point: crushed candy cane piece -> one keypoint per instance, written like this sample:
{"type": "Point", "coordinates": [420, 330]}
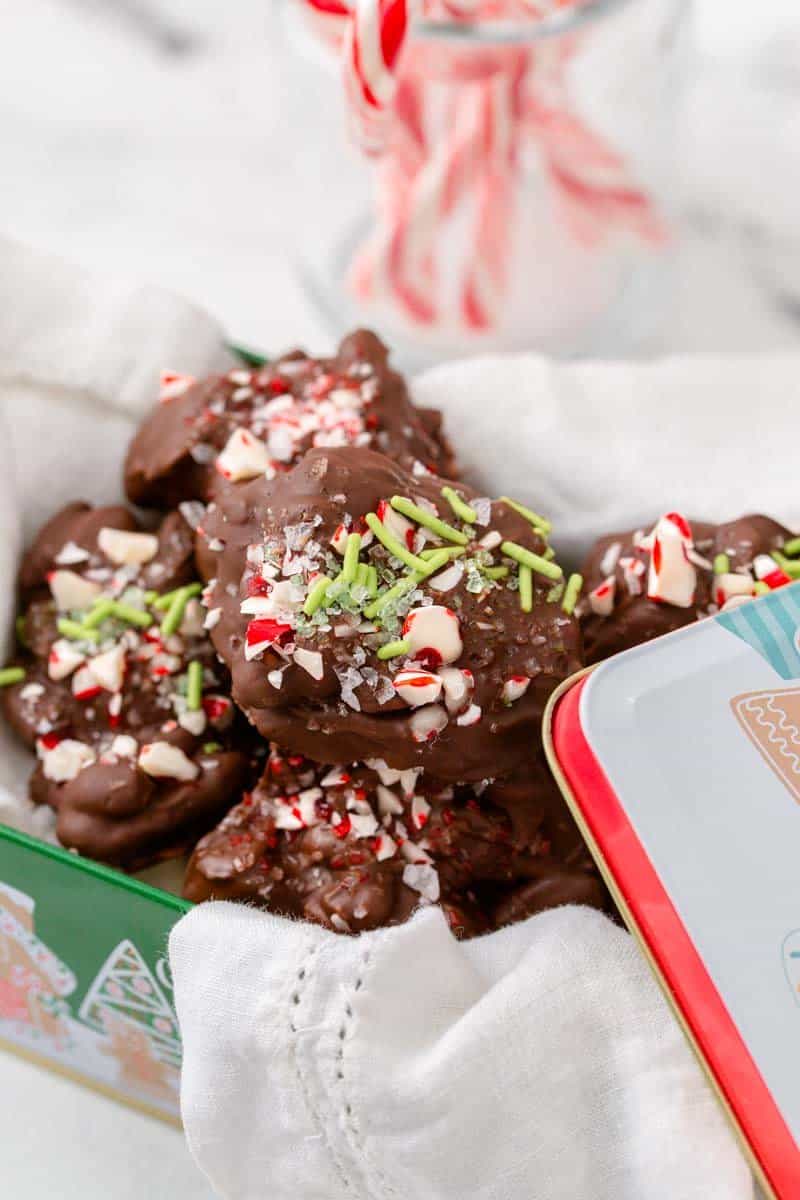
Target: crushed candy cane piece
{"type": "Point", "coordinates": [420, 811]}
{"type": "Point", "coordinates": [71, 591]}
{"type": "Point", "coordinates": [458, 686]}
{"type": "Point", "coordinates": [389, 805]}
{"type": "Point", "coordinates": [172, 384]}
{"type": "Point", "coordinates": [433, 634]}
{"type": "Point", "coordinates": [244, 457]}
{"type": "Point", "coordinates": [213, 617]}
{"type": "Point", "coordinates": [124, 746]}
{"type": "Point", "coordinates": [417, 687]}
{"type": "Point", "coordinates": [427, 723]}
{"type": "Point", "coordinates": [162, 760]}
{"type": "Point", "coordinates": [767, 570]}
{"type": "Point", "coordinates": [731, 584]}
{"type": "Point", "coordinates": [84, 685]}
{"type": "Point", "coordinates": [672, 579]}
{"type": "Point", "coordinates": [193, 720]}
{"type": "Point", "coordinates": [70, 554]}
{"type": "Point", "coordinates": [262, 633]}
{"type": "Point", "coordinates": [63, 659]}
{"type": "Point", "coordinates": [126, 548]}
{"type": "Point", "coordinates": [384, 847]}
{"type": "Point", "coordinates": [65, 760]}
{"type": "Point", "coordinates": [108, 668]}
{"type": "Point", "coordinates": [310, 661]}
{"type": "Point", "coordinates": [515, 687]}
{"type": "Point", "coordinates": [471, 716]}
{"type": "Point", "coordinates": [396, 524]}
{"type": "Point", "coordinates": [601, 598]}
{"type": "Point", "coordinates": [422, 878]}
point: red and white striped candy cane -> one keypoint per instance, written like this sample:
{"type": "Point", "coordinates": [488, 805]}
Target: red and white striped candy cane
{"type": "Point", "coordinates": [374, 40]}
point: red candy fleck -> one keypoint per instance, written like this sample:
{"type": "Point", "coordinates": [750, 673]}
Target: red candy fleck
{"type": "Point", "coordinates": [258, 586]}
{"type": "Point", "coordinates": [429, 657]}
{"type": "Point", "coordinates": [278, 386]}
{"type": "Point", "coordinates": [265, 629]}
{"type": "Point", "coordinates": [343, 828]}
{"type": "Point", "coordinates": [215, 707]}
{"type": "Point", "coordinates": [50, 740]}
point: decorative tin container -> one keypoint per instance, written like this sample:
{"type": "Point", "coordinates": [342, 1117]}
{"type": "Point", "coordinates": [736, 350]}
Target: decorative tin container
{"type": "Point", "coordinates": [680, 760]}
{"type": "Point", "coordinates": [85, 987]}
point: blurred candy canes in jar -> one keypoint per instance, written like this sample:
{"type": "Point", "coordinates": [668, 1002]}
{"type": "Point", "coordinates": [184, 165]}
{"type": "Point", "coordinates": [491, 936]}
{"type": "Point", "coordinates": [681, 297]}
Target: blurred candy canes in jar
{"type": "Point", "coordinates": [458, 103]}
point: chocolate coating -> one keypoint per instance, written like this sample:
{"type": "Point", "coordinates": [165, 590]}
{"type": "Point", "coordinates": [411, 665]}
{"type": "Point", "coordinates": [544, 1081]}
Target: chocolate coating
{"type": "Point", "coordinates": [290, 405]}
{"type": "Point", "coordinates": [352, 710]}
{"type": "Point", "coordinates": [90, 736]}
{"type": "Point", "coordinates": [487, 853]}
{"type": "Point", "coordinates": [635, 618]}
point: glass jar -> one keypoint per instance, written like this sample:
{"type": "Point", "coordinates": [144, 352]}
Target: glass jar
{"type": "Point", "coordinates": [523, 198]}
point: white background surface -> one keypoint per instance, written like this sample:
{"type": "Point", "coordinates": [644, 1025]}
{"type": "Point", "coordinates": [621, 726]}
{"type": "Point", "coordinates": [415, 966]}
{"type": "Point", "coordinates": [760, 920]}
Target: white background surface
{"type": "Point", "coordinates": [153, 137]}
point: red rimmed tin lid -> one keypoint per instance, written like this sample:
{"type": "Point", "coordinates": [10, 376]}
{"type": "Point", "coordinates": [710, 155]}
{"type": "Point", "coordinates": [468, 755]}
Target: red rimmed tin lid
{"type": "Point", "coordinates": [680, 760]}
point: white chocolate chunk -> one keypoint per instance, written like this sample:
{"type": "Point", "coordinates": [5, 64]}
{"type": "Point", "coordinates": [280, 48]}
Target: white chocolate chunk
{"type": "Point", "coordinates": [162, 760]}
{"type": "Point", "coordinates": [126, 548]}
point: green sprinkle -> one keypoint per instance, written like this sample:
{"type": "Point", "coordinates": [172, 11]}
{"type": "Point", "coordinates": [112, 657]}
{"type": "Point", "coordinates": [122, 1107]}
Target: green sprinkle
{"type": "Point", "coordinates": [788, 565]}
{"type": "Point", "coordinates": [75, 631]}
{"type": "Point", "coordinates": [316, 595]}
{"type": "Point", "coordinates": [462, 510]}
{"type": "Point", "coordinates": [362, 575]}
{"type": "Point", "coordinates": [540, 524]}
{"type": "Point", "coordinates": [194, 686]}
{"type": "Point", "coordinates": [394, 649]}
{"type": "Point", "coordinates": [760, 588]}
{"type": "Point", "coordinates": [165, 601]}
{"type": "Point", "coordinates": [555, 593]}
{"type": "Point", "coordinates": [135, 616]}
{"type": "Point", "coordinates": [21, 631]}
{"type": "Point", "coordinates": [435, 563]}
{"type": "Point", "coordinates": [792, 547]}
{"type": "Point", "coordinates": [407, 507]}
{"type": "Point", "coordinates": [722, 564]}
{"type": "Point", "coordinates": [536, 563]}
{"type": "Point", "coordinates": [352, 551]}
{"type": "Point", "coordinates": [573, 590]}
{"type": "Point", "coordinates": [174, 614]}
{"type": "Point", "coordinates": [211, 747]}
{"type": "Point", "coordinates": [11, 675]}
{"type": "Point", "coordinates": [392, 545]}
{"type": "Point", "coordinates": [450, 551]}
{"type": "Point", "coordinates": [372, 581]}
{"type": "Point", "coordinates": [150, 597]}
{"type": "Point", "coordinates": [496, 572]}
{"type": "Point", "coordinates": [406, 584]}
{"type": "Point", "coordinates": [101, 609]}
{"type": "Point", "coordinates": [525, 588]}
{"type": "Point", "coordinates": [548, 553]}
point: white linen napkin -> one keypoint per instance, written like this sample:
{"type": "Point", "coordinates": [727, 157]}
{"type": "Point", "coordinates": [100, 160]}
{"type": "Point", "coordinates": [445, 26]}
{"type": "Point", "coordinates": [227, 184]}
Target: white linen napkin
{"type": "Point", "coordinates": [538, 1063]}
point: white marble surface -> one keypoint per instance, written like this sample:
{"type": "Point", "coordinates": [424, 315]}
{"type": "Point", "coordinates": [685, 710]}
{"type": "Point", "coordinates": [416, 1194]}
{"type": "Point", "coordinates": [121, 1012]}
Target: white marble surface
{"type": "Point", "coordinates": [157, 136]}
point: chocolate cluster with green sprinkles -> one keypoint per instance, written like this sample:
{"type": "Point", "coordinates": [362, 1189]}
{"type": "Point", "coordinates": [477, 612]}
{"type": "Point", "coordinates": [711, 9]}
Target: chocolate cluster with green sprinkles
{"type": "Point", "coordinates": [118, 690]}
{"type": "Point", "coordinates": [369, 611]}
{"type": "Point", "coordinates": [673, 571]}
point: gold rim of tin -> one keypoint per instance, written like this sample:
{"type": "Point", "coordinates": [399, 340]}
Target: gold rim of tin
{"type": "Point", "coordinates": [633, 927]}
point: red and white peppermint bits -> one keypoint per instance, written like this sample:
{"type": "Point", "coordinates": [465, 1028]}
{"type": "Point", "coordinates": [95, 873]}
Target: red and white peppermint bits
{"type": "Point", "coordinates": [767, 571]}
{"type": "Point", "coordinates": [730, 586]}
{"type": "Point", "coordinates": [72, 591]}
{"type": "Point", "coordinates": [601, 598]}
{"type": "Point", "coordinates": [125, 548]}
{"type": "Point", "coordinates": [262, 634]}
{"type": "Point", "coordinates": [417, 687]}
{"type": "Point", "coordinates": [427, 723]}
{"type": "Point", "coordinates": [672, 578]}
{"type": "Point", "coordinates": [515, 688]}
{"type": "Point", "coordinates": [173, 385]}
{"type": "Point", "coordinates": [162, 760]}
{"type": "Point", "coordinates": [434, 635]}
{"type": "Point", "coordinates": [396, 524]}
{"type": "Point", "coordinates": [244, 457]}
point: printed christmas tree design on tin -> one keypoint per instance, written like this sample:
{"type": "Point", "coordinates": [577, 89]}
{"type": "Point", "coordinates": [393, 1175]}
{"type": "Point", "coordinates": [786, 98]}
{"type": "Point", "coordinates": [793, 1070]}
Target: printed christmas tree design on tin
{"type": "Point", "coordinates": [771, 720]}
{"type": "Point", "coordinates": [126, 990]}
